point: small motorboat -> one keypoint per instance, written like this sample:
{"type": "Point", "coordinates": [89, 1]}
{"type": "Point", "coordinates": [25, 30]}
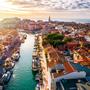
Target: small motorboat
{"type": "Point", "coordinates": [6, 76]}
{"type": "Point", "coordinates": [16, 56]}
{"type": "Point", "coordinates": [34, 68]}
{"type": "Point", "coordinates": [35, 65]}
{"type": "Point", "coordinates": [37, 87]}
{"type": "Point", "coordinates": [37, 78]}
{"type": "Point", "coordinates": [11, 66]}
{"type": "Point", "coordinates": [25, 36]}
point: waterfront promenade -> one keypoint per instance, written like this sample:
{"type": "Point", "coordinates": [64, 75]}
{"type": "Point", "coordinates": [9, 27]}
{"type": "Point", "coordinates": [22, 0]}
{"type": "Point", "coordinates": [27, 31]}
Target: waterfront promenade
{"type": "Point", "coordinates": [45, 72]}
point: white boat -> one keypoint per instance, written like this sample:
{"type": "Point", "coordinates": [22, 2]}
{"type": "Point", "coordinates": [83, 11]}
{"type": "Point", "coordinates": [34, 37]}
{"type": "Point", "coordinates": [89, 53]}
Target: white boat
{"type": "Point", "coordinates": [37, 87]}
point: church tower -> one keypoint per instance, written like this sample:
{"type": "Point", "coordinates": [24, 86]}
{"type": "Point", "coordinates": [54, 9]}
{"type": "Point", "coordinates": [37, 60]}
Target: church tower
{"type": "Point", "coordinates": [49, 19]}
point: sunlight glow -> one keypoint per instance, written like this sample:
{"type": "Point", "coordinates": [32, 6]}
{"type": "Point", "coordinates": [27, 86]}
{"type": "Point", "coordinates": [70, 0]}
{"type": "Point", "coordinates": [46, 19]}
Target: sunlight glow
{"type": "Point", "coordinates": [4, 5]}
{"type": "Point", "coordinates": [44, 8]}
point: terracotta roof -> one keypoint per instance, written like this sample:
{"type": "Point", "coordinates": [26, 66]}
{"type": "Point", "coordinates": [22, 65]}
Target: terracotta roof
{"type": "Point", "coordinates": [68, 67]}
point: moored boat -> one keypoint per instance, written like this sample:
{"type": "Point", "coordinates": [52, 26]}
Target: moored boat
{"type": "Point", "coordinates": [34, 68]}
{"type": "Point", "coordinates": [37, 87]}
{"type": "Point", "coordinates": [24, 36]}
{"type": "Point", "coordinates": [35, 64]}
{"type": "Point", "coordinates": [37, 78]}
{"type": "Point", "coordinates": [16, 56]}
{"type": "Point", "coordinates": [6, 76]}
{"type": "Point", "coordinates": [34, 55]}
{"type": "Point", "coordinates": [11, 66]}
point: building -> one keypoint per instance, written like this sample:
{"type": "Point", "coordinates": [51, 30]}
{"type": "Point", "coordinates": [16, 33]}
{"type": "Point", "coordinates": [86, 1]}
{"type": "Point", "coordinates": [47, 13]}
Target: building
{"type": "Point", "coordinates": [82, 56]}
{"type": "Point", "coordinates": [59, 68]}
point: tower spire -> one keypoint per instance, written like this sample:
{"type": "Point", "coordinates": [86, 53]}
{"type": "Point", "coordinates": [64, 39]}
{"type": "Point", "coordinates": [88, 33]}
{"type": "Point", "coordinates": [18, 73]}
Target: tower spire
{"type": "Point", "coordinates": [49, 19]}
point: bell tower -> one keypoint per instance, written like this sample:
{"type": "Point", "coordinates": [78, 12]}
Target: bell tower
{"type": "Point", "coordinates": [49, 19]}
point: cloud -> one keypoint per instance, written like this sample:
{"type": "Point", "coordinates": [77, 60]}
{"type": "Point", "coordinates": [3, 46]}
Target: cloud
{"type": "Point", "coordinates": [45, 8]}
{"type": "Point", "coordinates": [52, 4]}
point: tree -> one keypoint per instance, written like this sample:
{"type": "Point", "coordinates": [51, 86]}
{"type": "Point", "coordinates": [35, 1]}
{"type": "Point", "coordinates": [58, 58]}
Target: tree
{"type": "Point", "coordinates": [67, 39]}
{"type": "Point", "coordinates": [56, 39]}
{"type": "Point", "coordinates": [55, 36]}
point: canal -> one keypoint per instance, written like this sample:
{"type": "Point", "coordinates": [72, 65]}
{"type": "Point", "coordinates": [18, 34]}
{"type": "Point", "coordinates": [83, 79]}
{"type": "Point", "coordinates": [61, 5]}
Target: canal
{"type": "Point", "coordinates": [22, 78]}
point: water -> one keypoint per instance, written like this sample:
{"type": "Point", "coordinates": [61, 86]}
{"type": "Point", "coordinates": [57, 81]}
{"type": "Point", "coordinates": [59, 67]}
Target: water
{"type": "Point", "coordinates": [72, 20]}
{"type": "Point", "coordinates": [22, 78]}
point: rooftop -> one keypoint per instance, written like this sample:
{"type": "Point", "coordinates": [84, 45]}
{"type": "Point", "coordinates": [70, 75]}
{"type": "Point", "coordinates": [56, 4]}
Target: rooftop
{"type": "Point", "coordinates": [67, 68]}
{"type": "Point", "coordinates": [73, 84]}
{"type": "Point", "coordinates": [58, 64]}
{"type": "Point", "coordinates": [82, 55]}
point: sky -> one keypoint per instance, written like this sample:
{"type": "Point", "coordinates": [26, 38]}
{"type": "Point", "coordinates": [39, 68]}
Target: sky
{"type": "Point", "coordinates": [42, 9]}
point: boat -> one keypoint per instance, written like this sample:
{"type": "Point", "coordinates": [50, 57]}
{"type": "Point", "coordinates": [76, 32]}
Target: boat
{"type": "Point", "coordinates": [37, 78]}
{"type": "Point", "coordinates": [34, 68]}
{"type": "Point", "coordinates": [34, 65]}
{"type": "Point", "coordinates": [25, 36]}
{"type": "Point", "coordinates": [16, 56]}
{"type": "Point", "coordinates": [9, 64]}
{"type": "Point", "coordinates": [10, 67]}
{"type": "Point", "coordinates": [34, 55]}
{"type": "Point", "coordinates": [6, 76]}
{"type": "Point", "coordinates": [37, 87]}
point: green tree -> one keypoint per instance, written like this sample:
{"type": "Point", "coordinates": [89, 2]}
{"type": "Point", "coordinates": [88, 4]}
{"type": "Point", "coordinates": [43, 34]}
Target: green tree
{"type": "Point", "coordinates": [67, 39]}
{"type": "Point", "coordinates": [56, 39]}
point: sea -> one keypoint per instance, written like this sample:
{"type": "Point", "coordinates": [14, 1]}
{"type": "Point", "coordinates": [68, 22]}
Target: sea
{"type": "Point", "coordinates": [72, 20]}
